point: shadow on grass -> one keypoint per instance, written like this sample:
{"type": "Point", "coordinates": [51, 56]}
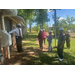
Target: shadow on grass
{"type": "Point", "coordinates": [40, 58]}
{"type": "Point", "coordinates": [72, 37]}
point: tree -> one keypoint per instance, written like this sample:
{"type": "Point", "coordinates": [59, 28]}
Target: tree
{"type": "Point", "coordinates": [41, 17]}
{"type": "Point", "coordinates": [55, 23]}
{"type": "Point", "coordinates": [70, 20]}
{"type": "Point", "coordinates": [26, 14]}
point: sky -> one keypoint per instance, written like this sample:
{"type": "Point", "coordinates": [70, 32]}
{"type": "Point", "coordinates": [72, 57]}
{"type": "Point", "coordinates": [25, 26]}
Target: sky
{"type": "Point", "coordinates": [60, 13]}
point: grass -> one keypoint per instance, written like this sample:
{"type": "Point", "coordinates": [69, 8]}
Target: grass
{"type": "Point", "coordinates": [49, 58]}
{"type": "Point", "coordinates": [30, 40]}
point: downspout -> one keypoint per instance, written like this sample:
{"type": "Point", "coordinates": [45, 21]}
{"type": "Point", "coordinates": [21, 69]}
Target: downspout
{"type": "Point", "coordinates": [3, 25]}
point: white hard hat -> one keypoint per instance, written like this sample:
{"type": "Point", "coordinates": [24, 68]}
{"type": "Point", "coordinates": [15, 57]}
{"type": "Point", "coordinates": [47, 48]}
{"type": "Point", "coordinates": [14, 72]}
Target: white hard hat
{"type": "Point", "coordinates": [40, 30]}
{"type": "Point", "coordinates": [43, 29]}
{"type": "Point", "coordinates": [50, 31]}
{"type": "Point", "coordinates": [68, 31]}
{"type": "Point", "coordinates": [61, 28]}
{"type": "Point", "coordinates": [19, 24]}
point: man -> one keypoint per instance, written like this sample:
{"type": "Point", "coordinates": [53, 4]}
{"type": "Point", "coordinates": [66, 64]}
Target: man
{"type": "Point", "coordinates": [44, 35]}
{"type": "Point", "coordinates": [50, 41]}
{"type": "Point", "coordinates": [18, 34]}
{"type": "Point", "coordinates": [67, 39]}
{"type": "Point", "coordinates": [40, 38]}
{"type": "Point", "coordinates": [61, 41]}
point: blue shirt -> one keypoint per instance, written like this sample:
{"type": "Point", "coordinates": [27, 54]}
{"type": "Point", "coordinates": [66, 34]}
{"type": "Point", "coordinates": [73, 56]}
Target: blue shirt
{"type": "Point", "coordinates": [50, 38]}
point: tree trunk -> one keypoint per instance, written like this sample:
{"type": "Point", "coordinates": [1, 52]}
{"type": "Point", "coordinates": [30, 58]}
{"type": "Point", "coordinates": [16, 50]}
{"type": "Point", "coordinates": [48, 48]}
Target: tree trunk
{"type": "Point", "coordinates": [30, 28]}
{"type": "Point", "coordinates": [42, 24]}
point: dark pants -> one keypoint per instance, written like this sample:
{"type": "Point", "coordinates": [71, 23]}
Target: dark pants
{"type": "Point", "coordinates": [44, 40]}
{"type": "Point", "coordinates": [60, 52]}
{"type": "Point", "coordinates": [40, 43]}
{"type": "Point", "coordinates": [19, 43]}
{"type": "Point", "coordinates": [68, 43]}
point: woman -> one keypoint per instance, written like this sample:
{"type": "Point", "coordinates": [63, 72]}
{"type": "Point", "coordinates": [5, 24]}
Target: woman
{"type": "Point", "coordinates": [40, 38]}
{"type": "Point", "coordinates": [50, 41]}
{"type": "Point", "coordinates": [44, 35]}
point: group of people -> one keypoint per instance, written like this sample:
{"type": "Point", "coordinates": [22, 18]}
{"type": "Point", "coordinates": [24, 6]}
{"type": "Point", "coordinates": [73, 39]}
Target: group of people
{"type": "Point", "coordinates": [61, 40]}
{"type": "Point", "coordinates": [42, 36]}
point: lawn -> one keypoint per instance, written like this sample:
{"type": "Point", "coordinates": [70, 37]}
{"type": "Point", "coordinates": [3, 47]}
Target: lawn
{"type": "Point", "coordinates": [49, 58]}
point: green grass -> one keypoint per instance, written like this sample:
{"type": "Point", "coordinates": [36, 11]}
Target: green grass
{"type": "Point", "coordinates": [30, 40]}
{"type": "Point", "coordinates": [49, 58]}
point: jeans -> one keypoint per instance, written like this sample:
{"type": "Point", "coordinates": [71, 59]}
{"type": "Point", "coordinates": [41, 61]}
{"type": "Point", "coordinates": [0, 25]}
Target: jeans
{"type": "Point", "coordinates": [50, 46]}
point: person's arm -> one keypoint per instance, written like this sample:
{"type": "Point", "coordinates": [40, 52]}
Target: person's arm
{"type": "Point", "coordinates": [63, 41]}
{"type": "Point", "coordinates": [62, 44]}
{"type": "Point", "coordinates": [45, 34]}
{"type": "Point", "coordinates": [21, 33]}
{"type": "Point", "coordinates": [12, 31]}
{"type": "Point", "coordinates": [49, 38]}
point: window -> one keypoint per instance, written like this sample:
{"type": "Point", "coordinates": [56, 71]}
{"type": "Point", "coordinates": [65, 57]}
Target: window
{"type": "Point", "coordinates": [8, 25]}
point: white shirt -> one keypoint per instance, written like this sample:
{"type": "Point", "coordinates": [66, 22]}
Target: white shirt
{"type": "Point", "coordinates": [16, 30]}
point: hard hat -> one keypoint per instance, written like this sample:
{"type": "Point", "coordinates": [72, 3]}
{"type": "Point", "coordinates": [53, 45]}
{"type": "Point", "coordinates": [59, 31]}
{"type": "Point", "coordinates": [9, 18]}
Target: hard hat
{"type": "Point", "coordinates": [40, 30]}
{"type": "Point", "coordinates": [43, 29]}
{"type": "Point", "coordinates": [50, 31]}
{"type": "Point", "coordinates": [68, 31]}
{"type": "Point", "coordinates": [61, 28]}
{"type": "Point", "coordinates": [19, 24]}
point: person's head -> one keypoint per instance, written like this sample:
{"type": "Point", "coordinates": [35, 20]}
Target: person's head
{"type": "Point", "coordinates": [19, 25]}
{"type": "Point", "coordinates": [68, 32]}
{"type": "Point", "coordinates": [50, 32]}
{"type": "Point", "coordinates": [43, 30]}
{"type": "Point", "coordinates": [61, 30]}
{"type": "Point", "coordinates": [40, 30]}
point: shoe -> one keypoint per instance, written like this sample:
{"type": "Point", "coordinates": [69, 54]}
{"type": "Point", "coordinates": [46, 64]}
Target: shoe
{"type": "Point", "coordinates": [58, 56]}
{"type": "Point", "coordinates": [60, 59]}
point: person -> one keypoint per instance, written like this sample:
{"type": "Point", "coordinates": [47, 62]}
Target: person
{"type": "Point", "coordinates": [40, 38]}
{"type": "Point", "coordinates": [18, 34]}
{"type": "Point", "coordinates": [44, 35]}
{"type": "Point", "coordinates": [50, 41]}
{"type": "Point", "coordinates": [61, 41]}
{"type": "Point", "coordinates": [67, 39]}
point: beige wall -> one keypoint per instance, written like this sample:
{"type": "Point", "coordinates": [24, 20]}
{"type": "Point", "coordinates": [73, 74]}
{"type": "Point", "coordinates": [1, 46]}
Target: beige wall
{"type": "Point", "coordinates": [4, 50]}
{"type": "Point", "coordinates": [13, 37]}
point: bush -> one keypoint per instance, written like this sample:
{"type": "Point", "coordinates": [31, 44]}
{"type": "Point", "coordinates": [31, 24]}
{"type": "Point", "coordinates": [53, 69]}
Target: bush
{"type": "Point", "coordinates": [65, 30]}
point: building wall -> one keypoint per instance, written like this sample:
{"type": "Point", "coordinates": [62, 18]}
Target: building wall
{"type": "Point", "coordinates": [4, 50]}
{"type": "Point", "coordinates": [13, 35]}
